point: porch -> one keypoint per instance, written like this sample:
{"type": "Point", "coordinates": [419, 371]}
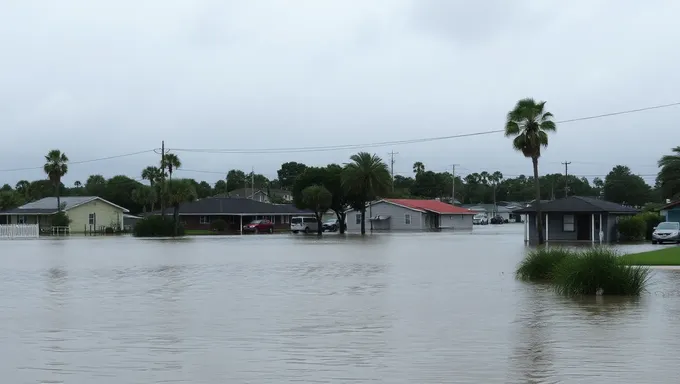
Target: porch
{"type": "Point", "coordinates": [571, 228]}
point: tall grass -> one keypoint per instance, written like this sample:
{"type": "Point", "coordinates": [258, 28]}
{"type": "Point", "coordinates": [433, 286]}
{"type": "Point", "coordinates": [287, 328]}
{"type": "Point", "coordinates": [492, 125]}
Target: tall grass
{"type": "Point", "coordinates": [539, 264]}
{"type": "Point", "coordinates": [594, 271]}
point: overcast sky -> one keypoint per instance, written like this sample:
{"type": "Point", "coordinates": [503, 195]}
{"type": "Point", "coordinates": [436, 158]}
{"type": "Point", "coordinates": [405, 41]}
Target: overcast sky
{"type": "Point", "coordinates": [104, 78]}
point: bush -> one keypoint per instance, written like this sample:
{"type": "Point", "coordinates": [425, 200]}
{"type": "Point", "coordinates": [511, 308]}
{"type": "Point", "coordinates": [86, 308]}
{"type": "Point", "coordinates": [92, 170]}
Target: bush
{"type": "Point", "coordinates": [651, 219]}
{"type": "Point", "coordinates": [109, 230]}
{"type": "Point", "coordinates": [218, 225]}
{"type": "Point", "coordinates": [60, 219]}
{"type": "Point", "coordinates": [156, 226]}
{"type": "Point", "coordinates": [632, 228]}
{"type": "Point", "coordinates": [539, 264]}
{"type": "Point", "coordinates": [598, 271]}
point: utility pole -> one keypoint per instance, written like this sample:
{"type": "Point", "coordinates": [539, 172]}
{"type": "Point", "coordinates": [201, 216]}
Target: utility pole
{"type": "Point", "coordinates": [252, 183]}
{"type": "Point", "coordinates": [392, 166]}
{"type": "Point", "coordinates": [566, 178]}
{"type": "Point", "coordinates": [162, 178]}
{"type": "Point", "coordinates": [453, 184]}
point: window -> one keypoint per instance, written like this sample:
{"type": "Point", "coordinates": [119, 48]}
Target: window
{"type": "Point", "coordinates": [407, 218]}
{"type": "Point", "coordinates": [568, 223]}
{"type": "Point", "coordinates": [204, 220]}
{"type": "Point", "coordinates": [22, 220]}
{"type": "Point", "coordinates": [92, 219]}
{"type": "Point", "coordinates": [357, 218]}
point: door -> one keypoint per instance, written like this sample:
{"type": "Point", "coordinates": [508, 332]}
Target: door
{"type": "Point", "coordinates": [583, 227]}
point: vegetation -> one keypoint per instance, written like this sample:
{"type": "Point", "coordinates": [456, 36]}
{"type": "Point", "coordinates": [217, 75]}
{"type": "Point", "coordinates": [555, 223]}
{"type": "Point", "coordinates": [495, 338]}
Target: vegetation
{"type": "Point", "coordinates": [599, 271]}
{"type": "Point", "coordinates": [330, 177]}
{"type": "Point", "coordinates": [623, 187]}
{"type": "Point", "coordinates": [364, 179]}
{"type": "Point", "coordinates": [157, 226]}
{"type": "Point", "coordinates": [592, 271]}
{"type": "Point", "coordinates": [664, 256]}
{"type": "Point", "coordinates": [317, 199]}
{"type": "Point", "coordinates": [632, 228]}
{"type": "Point", "coordinates": [178, 191]}
{"type": "Point", "coordinates": [60, 219]}
{"type": "Point", "coordinates": [668, 179]}
{"type": "Point", "coordinates": [529, 124]}
{"type": "Point", "coordinates": [55, 168]}
{"type": "Point", "coordinates": [540, 263]}
{"type": "Point", "coordinates": [218, 225]}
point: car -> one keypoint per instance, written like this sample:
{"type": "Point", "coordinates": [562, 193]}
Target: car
{"type": "Point", "coordinates": [259, 226]}
{"type": "Point", "coordinates": [480, 219]}
{"type": "Point", "coordinates": [330, 225]}
{"type": "Point", "coordinates": [666, 232]}
{"type": "Point", "coordinates": [304, 224]}
{"type": "Point", "coordinates": [497, 220]}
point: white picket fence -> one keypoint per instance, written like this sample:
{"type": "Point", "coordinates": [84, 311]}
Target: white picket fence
{"type": "Point", "coordinates": [19, 231]}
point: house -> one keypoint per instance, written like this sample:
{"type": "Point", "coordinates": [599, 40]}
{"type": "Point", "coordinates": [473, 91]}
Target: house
{"type": "Point", "coordinates": [492, 210]}
{"type": "Point", "coordinates": [671, 212]}
{"type": "Point", "coordinates": [411, 214]}
{"type": "Point", "coordinates": [261, 195]}
{"type": "Point", "coordinates": [87, 213]}
{"type": "Point", "coordinates": [575, 219]}
{"type": "Point", "coordinates": [236, 212]}
{"type": "Point", "coordinates": [129, 221]}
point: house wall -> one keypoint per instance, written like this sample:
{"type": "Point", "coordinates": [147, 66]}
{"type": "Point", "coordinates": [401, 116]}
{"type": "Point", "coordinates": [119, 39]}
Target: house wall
{"type": "Point", "coordinates": [106, 216]}
{"type": "Point", "coordinates": [281, 222]}
{"type": "Point", "coordinates": [556, 233]}
{"type": "Point", "coordinates": [455, 222]}
{"type": "Point", "coordinates": [43, 220]}
{"type": "Point", "coordinates": [396, 222]}
{"type": "Point", "coordinates": [672, 214]}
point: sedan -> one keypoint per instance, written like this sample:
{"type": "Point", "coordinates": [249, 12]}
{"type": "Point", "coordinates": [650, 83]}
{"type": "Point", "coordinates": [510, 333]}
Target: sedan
{"type": "Point", "coordinates": [330, 225]}
{"type": "Point", "coordinates": [259, 226]}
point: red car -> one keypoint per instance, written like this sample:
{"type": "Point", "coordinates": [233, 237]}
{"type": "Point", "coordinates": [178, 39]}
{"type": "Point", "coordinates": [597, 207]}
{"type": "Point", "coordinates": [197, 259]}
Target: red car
{"type": "Point", "coordinates": [259, 226]}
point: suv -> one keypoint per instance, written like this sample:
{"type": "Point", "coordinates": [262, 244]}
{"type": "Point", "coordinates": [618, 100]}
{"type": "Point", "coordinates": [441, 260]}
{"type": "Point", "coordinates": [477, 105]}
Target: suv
{"type": "Point", "coordinates": [480, 219]}
{"type": "Point", "coordinates": [497, 220]}
{"type": "Point", "coordinates": [304, 224]}
{"type": "Point", "coordinates": [259, 226]}
{"type": "Point", "coordinates": [668, 231]}
{"type": "Point", "coordinates": [330, 225]}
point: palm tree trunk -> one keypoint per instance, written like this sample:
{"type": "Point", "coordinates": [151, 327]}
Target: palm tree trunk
{"type": "Point", "coordinates": [56, 187]}
{"type": "Point", "coordinates": [341, 222]}
{"type": "Point", "coordinates": [175, 215]}
{"type": "Point", "coordinates": [537, 203]}
{"type": "Point", "coordinates": [363, 220]}
{"type": "Point", "coordinates": [319, 226]}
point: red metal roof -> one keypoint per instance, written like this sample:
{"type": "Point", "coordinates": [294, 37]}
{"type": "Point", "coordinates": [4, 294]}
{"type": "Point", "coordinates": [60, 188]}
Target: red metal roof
{"type": "Point", "coordinates": [431, 205]}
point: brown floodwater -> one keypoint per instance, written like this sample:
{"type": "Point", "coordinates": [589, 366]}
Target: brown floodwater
{"type": "Point", "coordinates": [400, 308]}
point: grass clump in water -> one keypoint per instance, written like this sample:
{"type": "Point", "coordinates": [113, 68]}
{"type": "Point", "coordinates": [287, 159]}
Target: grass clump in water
{"type": "Point", "coordinates": [598, 271]}
{"type": "Point", "coordinates": [539, 264]}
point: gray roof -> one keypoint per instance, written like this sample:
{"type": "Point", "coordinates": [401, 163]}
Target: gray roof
{"type": "Point", "coordinates": [48, 205]}
{"type": "Point", "coordinates": [580, 204]}
{"type": "Point", "coordinates": [235, 206]}
{"type": "Point", "coordinates": [249, 192]}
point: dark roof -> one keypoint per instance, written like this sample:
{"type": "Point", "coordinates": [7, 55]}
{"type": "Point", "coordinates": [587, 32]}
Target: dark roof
{"type": "Point", "coordinates": [671, 205]}
{"type": "Point", "coordinates": [579, 204]}
{"type": "Point", "coordinates": [29, 211]}
{"type": "Point", "coordinates": [235, 206]}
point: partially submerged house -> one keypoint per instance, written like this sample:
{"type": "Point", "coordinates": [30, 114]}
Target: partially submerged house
{"type": "Point", "coordinates": [411, 214]}
{"type": "Point", "coordinates": [575, 219]}
{"type": "Point", "coordinates": [671, 211]}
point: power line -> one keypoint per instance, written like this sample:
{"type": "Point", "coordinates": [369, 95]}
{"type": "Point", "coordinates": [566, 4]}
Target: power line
{"type": "Point", "coordinates": [82, 161]}
{"type": "Point", "coordinates": [401, 142]}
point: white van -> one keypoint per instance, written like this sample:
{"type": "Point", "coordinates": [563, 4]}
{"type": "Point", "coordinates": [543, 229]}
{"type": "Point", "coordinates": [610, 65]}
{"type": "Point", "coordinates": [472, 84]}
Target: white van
{"type": "Point", "coordinates": [304, 224]}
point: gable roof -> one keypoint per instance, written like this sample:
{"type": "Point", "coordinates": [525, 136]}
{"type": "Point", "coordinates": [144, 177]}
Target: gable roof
{"type": "Point", "coordinates": [579, 204]}
{"type": "Point", "coordinates": [215, 206]}
{"type": "Point", "coordinates": [430, 206]}
{"type": "Point", "coordinates": [249, 192]}
{"type": "Point", "coordinates": [48, 205]}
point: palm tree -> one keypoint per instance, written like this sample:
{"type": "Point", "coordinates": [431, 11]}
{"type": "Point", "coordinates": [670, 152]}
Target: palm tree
{"type": "Point", "coordinates": [182, 191]}
{"type": "Point", "coordinates": [22, 187]}
{"type": "Point", "coordinates": [495, 179]}
{"type": "Point", "coordinates": [55, 168]}
{"type": "Point", "coordinates": [669, 174]}
{"type": "Point", "coordinates": [418, 167]}
{"type": "Point", "coordinates": [144, 196]}
{"type": "Point", "coordinates": [529, 124]}
{"type": "Point", "coordinates": [152, 174]}
{"type": "Point", "coordinates": [364, 179]}
{"type": "Point", "coordinates": [171, 162]}
{"type": "Point", "coordinates": [78, 184]}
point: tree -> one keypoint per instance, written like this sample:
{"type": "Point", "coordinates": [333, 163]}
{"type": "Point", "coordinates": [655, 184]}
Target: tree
{"type": "Point", "coordinates": [495, 179]}
{"type": "Point", "coordinates": [418, 167]}
{"type": "Point", "coordinates": [330, 177]}
{"type": "Point", "coordinates": [235, 179]}
{"type": "Point", "coordinates": [529, 124]}
{"type": "Point", "coordinates": [220, 187]}
{"type": "Point", "coordinates": [95, 185]}
{"type": "Point", "coordinates": [171, 162]}
{"type": "Point", "coordinates": [317, 199]}
{"type": "Point", "coordinates": [144, 195]}
{"type": "Point", "coordinates": [152, 174]}
{"type": "Point", "coordinates": [56, 167]}
{"type": "Point", "coordinates": [77, 184]}
{"type": "Point", "coordinates": [179, 191]}
{"type": "Point", "coordinates": [289, 172]}
{"type": "Point", "coordinates": [364, 179]}
{"type": "Point", "coordinates": [623, 187]}
{"type": "Point", "coordinates": [669, 175]}
{"type": "Point", "coordinates": [22, 188]}
{"type": "Point", "coordinates": [9, 200]}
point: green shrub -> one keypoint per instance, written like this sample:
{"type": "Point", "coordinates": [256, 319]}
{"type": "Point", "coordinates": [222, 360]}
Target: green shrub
{"type": "Point", "coordinates": [598, 271]}
{"type": "Point", "coordinates": [60, 219]}
{"type": "Point", "coordinates": [218, 225]}
{"type": "Point", "coordinates": [632, 228]}
{"type": "Point", "coordinates": [156, 226]}
{"type": "Point", "coordinates": [652, 219]}
{"type": "Point", "coordinates": [109, 230]}
{"type": "Point", "coordinates": [539, 264]}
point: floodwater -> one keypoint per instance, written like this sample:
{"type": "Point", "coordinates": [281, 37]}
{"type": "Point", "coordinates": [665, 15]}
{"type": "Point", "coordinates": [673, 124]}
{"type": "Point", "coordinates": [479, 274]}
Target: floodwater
{"type": "Point", "coordinates": [404, 308]}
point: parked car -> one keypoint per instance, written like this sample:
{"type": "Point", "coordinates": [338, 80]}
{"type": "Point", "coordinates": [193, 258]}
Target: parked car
{"type": "Point", "coordinates": [303, 224]}
{"type": "Point", "coordinates": [259, 226]}
{"type": "Point", "coordinates": [330, 225]}
{"type": "Point", "coordinates": [497, 220]}
{"type": "Point", "coordinates": [480, 219]}
{"type": "Point", "coordinates": [666, 232]}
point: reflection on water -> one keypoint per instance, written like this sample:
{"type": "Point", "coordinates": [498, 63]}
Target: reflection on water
{"type": "Point", "coordinates": [409, 308]}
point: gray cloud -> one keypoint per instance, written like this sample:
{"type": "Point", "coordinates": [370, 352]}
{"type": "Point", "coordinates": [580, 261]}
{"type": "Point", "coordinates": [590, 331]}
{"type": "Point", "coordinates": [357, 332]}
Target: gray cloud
{"type": "Point", "coordinates": [96, 79]}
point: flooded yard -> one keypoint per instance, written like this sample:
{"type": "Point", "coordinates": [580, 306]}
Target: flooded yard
{"type": "Point", "coordinates": [390, 308]}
